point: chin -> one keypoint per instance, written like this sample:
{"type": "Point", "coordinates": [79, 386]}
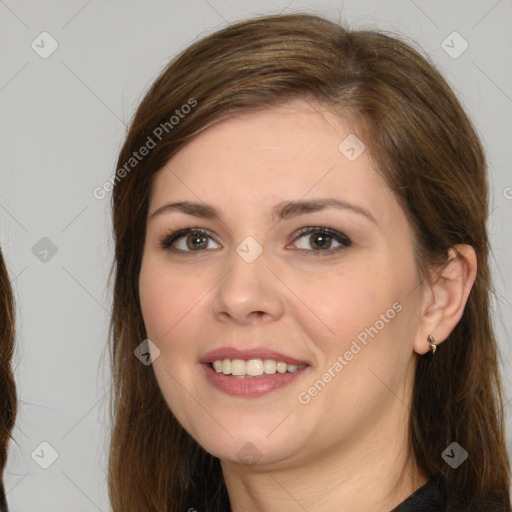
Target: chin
{"type": "Point", "coordinates": [245, 440]}
{"type": "Point", "coordinates": [252, 452]}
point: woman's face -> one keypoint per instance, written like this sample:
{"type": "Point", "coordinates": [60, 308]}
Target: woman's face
{"type": "Point", "coordinates": [341, 307]}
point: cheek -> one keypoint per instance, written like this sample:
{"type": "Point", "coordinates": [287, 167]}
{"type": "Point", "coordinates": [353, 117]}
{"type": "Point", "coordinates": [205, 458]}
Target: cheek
{"type": "Point", "coordinates": [360, 313]}
{"type": "Point", "coordinates": [345, 303]}
{"type": "Point", "coordinates": [166, 298]}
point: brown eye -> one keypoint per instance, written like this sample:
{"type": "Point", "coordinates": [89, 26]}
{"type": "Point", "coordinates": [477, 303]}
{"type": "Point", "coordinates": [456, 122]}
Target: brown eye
{"type": "Point", "coordinates": [321, 240]}
{"type": "Point", "coordinates": [187, 240]}
{"type": "Point", "coordinates": [196, 241]}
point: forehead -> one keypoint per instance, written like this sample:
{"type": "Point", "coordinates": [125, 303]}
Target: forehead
{"type": "Point", "coordinates": [293, 151]}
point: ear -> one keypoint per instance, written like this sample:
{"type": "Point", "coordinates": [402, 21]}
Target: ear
{"type": "Point", "coordinates": [445, 296]}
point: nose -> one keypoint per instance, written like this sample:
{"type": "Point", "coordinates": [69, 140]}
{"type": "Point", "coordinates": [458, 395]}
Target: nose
{"type": "Point", "coordinates": [249, 291]}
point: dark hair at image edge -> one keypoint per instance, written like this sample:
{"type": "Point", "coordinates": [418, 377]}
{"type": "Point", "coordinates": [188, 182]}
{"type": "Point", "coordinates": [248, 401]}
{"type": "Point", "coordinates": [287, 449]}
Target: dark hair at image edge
{"type": "Point", "coordinates": [8, 401]}
{"type": "Point", "coordinates": [432, 159]}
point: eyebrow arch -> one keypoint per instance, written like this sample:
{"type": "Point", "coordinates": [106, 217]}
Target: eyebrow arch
{"type": "Point", "coordinates": [281, 211]}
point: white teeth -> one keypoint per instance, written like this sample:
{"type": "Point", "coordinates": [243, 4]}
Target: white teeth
{"type": "Point", "coordinates": [238, 367]}
{"type": "Point", "coordinates": [270, 366]}
{"type": "Point", "coordinates": [226, 367]}
{"type": "Point", "coordinates": [253, 367]}
{"type": "Point", "coordinates": [281, 367]}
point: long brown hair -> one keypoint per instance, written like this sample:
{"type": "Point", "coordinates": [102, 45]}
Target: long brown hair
{"type": "Point", "coordinates": [8, 402]}
{"type": "Point", "coordinates": [426, 147]}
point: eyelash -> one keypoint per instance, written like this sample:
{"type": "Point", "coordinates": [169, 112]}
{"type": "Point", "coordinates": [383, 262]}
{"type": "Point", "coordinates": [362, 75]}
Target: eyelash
{"type": "Point", "coordinates": [167, 241]}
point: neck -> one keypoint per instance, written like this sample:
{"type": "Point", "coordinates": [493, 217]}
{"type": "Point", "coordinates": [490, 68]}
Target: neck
{"type": "Point", "coordinates": [374, 472]}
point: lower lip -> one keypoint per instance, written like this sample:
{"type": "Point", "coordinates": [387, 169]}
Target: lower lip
{"type": "Point", "coordinates": [250, 386]}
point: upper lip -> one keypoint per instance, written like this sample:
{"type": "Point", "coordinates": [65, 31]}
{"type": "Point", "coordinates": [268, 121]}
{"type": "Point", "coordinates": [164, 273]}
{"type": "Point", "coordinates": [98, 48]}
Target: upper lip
{"type": "Point", "coordinates": [246, 354]}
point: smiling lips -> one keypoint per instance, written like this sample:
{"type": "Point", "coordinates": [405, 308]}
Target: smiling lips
{"type": "Point", "coordinates": [250, 373]}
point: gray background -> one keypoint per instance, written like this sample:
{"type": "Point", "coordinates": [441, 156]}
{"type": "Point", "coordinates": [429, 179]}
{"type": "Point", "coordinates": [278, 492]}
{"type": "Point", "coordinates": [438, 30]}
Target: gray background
{"type": "Point", "coordinates": [62, 122]}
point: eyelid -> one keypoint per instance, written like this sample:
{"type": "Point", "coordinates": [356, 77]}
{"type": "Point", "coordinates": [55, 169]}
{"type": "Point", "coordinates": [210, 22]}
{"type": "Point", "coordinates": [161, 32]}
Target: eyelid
{"type": "Point", "coordinates": [171, 237]}
{"type": "Point", "coordinates": [334, 233]}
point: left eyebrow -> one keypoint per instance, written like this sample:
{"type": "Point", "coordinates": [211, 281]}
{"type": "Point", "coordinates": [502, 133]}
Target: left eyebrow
{"type": "Point", "coordinates": [281, 211]}
{"type": "Point", "coordinates": [294, 208]}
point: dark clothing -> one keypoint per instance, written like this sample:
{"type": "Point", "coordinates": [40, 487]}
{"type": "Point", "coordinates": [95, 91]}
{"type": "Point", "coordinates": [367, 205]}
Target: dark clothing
{"type": "Point", "coordinates": [428, 498]}
{"type": "Point", "coordinates": [431, 497]}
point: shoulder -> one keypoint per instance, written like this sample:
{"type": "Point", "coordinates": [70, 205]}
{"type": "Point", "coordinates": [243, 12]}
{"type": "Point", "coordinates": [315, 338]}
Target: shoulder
{"type": "Point", "coordinates": [433, 497]}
